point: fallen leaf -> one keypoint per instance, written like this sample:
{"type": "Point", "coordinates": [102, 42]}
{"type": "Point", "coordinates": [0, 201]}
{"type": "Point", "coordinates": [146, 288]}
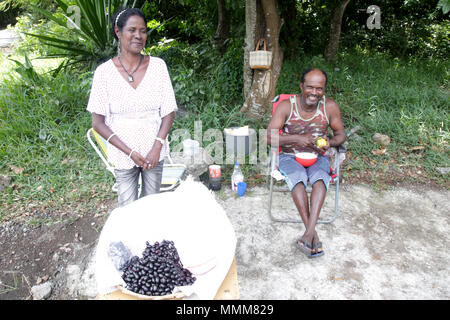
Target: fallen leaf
{"type": "Point", "coordinates": [16, 169]}
{"type": "Point", "coordinates": [416, 148]}
{"type": "Point", "coordinates": [379, 152]}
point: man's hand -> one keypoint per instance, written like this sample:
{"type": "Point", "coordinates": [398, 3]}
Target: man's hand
{"type": "Point", "coordinates": [305, 140]}
{"type": "Point", "coordinates": [323, 146]}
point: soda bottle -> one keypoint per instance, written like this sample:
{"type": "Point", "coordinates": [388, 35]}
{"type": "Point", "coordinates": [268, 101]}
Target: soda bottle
{"type": "Point", "coordinates": [236, 177]}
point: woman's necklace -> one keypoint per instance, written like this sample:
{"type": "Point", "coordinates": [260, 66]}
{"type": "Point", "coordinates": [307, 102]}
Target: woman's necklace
{"type": "Point", "coordinates": [130, 75]}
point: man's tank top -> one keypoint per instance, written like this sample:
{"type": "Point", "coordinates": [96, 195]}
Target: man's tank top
{"type": "Point", "coordinates": [317, 125]}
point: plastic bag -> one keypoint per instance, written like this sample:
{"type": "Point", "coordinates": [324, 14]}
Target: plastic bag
{"type": "Point", "coordinates": [119, 254]}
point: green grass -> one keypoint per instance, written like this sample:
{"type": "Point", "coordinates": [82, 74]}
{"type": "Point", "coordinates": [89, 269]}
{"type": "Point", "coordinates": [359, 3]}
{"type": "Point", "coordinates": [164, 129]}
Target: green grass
{"type": "Point", "coordinates": [43, 122]}
{"type": "Point", "coordinates": [43, 146]}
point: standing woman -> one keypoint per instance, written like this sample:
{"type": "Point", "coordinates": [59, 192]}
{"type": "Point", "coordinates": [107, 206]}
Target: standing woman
{"type": "Point", "coordinates": [133, 106]}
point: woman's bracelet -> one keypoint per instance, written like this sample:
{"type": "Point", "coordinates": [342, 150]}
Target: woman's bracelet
{"type": "Point", "coordinates": [129, 156]}
{"type": "Point", "coordinates": [112, 135]}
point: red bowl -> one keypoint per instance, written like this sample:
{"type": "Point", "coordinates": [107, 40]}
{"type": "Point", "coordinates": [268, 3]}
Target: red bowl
{"type": "Point", "coordinates": [306, 159]}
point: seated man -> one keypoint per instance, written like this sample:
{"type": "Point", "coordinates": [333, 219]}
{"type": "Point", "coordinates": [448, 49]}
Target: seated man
{"type": "Point", "coordinates": [302, 120]}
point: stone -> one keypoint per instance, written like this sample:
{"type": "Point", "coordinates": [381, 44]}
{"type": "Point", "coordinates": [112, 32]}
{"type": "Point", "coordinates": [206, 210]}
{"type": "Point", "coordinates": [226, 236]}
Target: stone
{"type": "Point", "coordinates": [353, 131]}
{"type": "Point", "coordinates": [442, 170]}
{"type": "Point", "coordinates": [5, 181]}
{"type": "Point", "coordinates": [382, 139]}
{"type": "Point", "coordinates": [80, 281]}
{"type": "Point", "coordinates": [7, 37]}
{"type": "Point", "coordinates": [42, 291]}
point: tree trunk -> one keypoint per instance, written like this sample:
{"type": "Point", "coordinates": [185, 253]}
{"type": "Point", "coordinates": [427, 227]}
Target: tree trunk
{"type": "Point", "coordinates": [331, 50]}
{"type": "Point", "coordinates": [223, 26]}
{"type": "Point", "coordinates": [262, 20]}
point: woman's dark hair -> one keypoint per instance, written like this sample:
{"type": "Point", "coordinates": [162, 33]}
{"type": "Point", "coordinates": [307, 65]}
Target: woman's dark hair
{"type": "Point", "coordinates": [311, 69]}
{"type": "Point", "coordinates": [125, 13]}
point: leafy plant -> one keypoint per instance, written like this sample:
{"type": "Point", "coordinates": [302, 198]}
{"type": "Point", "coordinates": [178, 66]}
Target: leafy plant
{"type": "Point", "coordinates": [444, 5]}
{"type": "Point", "coordinates": [91, 30]}
{"type": "Point", "coordinates": [26, 69]}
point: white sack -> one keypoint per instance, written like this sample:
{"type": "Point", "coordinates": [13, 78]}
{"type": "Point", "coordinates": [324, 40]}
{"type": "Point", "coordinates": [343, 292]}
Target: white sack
{"type": "Point", "coordinates": [189, 216]}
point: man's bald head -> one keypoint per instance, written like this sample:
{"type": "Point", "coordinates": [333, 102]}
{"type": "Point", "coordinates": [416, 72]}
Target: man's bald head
{"type": "Point", "coordinates": [305, 73]}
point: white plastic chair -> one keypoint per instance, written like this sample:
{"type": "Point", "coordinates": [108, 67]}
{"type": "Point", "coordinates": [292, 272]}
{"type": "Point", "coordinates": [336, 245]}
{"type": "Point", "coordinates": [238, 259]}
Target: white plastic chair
{"type": "Point", "coordinates": [172, 173]}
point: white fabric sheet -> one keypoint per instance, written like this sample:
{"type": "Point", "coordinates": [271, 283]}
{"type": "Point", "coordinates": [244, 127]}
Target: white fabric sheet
{"type": "Point", "coordinates": [189, 216]}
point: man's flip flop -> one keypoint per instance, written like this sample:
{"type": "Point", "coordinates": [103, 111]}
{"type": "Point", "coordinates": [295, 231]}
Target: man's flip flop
{"type": "Point", "coordinates": [305, 247]}
{"type": "Point", "coordinates": [316, 246]}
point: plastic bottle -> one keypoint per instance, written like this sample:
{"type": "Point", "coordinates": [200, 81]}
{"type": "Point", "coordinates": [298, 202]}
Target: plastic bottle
{"type": "Point", "coordinates": [236, 177]}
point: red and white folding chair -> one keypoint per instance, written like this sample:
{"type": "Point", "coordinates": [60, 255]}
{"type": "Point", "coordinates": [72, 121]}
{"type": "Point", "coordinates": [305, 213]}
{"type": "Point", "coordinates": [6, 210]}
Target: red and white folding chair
{"type": "Point", "coordinates": [339, 155]}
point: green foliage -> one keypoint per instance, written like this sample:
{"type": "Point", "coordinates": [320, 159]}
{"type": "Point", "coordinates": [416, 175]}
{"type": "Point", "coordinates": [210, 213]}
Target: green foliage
{"type": "Point", "coordinates": [190, 21]}
{"type": "Point", "coordinates": [26, 70]}
{"type": "Point", "coordinates": [408, 29]}
{"type": "Point", "coordinates": [444, 5]}
{"type": "Point", "coordinates": [81, 31]}
{"type": "Point", "coordinates": [207, 85]}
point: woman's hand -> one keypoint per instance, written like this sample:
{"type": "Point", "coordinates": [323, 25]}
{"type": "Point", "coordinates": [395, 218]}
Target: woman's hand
{"type": "Point", "coordinates": [138, 159]}
{"type": "Point", "coordinates": [152, 158]}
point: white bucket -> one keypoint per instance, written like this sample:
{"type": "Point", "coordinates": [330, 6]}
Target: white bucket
{"type": "Point", "coordinates": [190, 147]}
{"type": "Point", "coordinates": [240, 144]}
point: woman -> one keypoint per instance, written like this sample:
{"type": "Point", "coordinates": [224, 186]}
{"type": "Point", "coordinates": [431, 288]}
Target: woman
{"type": "Point", "coordinates": [133, 106]}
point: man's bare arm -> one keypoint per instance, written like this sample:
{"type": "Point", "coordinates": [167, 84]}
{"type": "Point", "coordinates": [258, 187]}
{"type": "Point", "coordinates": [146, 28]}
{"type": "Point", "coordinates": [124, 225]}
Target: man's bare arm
{"type": "Point", "coordinates": [334, 116]}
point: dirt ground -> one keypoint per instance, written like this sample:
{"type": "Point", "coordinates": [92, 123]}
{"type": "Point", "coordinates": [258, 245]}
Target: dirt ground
{"type": "Point", "coordinates": [32, 255]}
{"type": "Point", "coordinates": [390, 244]}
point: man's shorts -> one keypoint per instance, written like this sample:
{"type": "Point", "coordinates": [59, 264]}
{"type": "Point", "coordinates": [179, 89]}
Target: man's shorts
{"type": "Point", "coordinates": [294, 172]}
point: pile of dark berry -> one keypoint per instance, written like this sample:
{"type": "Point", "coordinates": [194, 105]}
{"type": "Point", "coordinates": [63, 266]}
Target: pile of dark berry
{"type": "Point", "coordinates": [157, 272]}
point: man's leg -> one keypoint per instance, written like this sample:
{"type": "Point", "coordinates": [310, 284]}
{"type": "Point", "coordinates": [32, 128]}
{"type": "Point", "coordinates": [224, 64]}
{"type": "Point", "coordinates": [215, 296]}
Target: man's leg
{"type": "Point", "coordinates": [296, 179]}
{"type": "Point", "coordinates": [301, 201]}
{"type": "Point", "coordinates": [319, 178]}
{"type": "Point", "coordinates": [318, 194]}
{"type": "Point", "coordinates": [309, 214]}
